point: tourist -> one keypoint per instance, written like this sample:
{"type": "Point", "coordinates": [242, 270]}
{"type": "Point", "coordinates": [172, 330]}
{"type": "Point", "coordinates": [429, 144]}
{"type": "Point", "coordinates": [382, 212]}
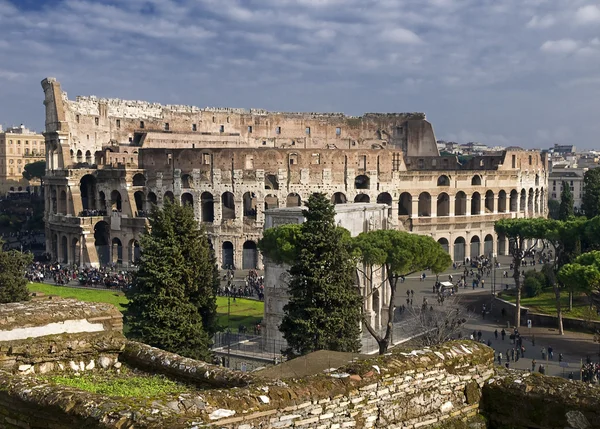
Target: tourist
{"type": "Point", "coordinates": [496, 334]}
{"type": "Point", "coordinates": [503, 332]}
{"type": "Point", "coordinates": [543, 353]}
{"type": "Point", "coordinates": [550, 352]}
{"type": "Point", "coordinates": [533, 363]}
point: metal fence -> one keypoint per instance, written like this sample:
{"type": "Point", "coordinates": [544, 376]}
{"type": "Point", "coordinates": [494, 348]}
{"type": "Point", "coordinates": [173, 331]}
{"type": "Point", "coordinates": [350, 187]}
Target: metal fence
{"type": "Point", "coordinates": [248, 345]}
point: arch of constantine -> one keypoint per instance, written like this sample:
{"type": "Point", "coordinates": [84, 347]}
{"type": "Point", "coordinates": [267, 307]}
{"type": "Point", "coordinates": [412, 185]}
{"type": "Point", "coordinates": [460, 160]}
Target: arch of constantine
{"type": "Point", "coordinates": [110, 160]}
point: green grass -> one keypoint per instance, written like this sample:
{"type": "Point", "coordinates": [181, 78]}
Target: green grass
{"type": "Point", "coordinates": [246, 312]}
{"type": "Point", "coordinates": [126, 384]}
{"type": "Point", "coordinates": [545, 303]}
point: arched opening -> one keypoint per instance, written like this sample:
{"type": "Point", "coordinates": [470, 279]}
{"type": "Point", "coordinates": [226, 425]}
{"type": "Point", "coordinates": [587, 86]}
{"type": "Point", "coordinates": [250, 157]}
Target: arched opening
{"type": "Point", "coordinates": [101, 242]}
{"type": "Point", "coordinates": [76, 251]}
{"type": "Point", "coordinates": [405, 204]}
{"type": "Point", "coordinates": [134, 252]}
{"type": "Point", "coordinates": [537, 180]}
{"type": "Point", "coordinates": [227, 255]}
{"type": "Point", "coordinates": [362, 198]}
{"type": "Point", "coordinates": [117, 251]}
{"type": "Point", "coordinates": [271, 202]}
{"type": "Point", "coordinates": [523, 200]}
{"type": "Point", "coordinates": [139, 180]}
{"type": "Point", "coordinates": [502, 245]}
{"type": "Point", "coordinates": [536, 201]}
{"type": "Point", "coordinates": [271, 182]}
{"type": "Point", "coordinates": [187, 199]}
{"type": "Point", "coordinates": [385, 198]}
{"type": "Point", "coordinates": [88, 157]}
{"type": "Point", "coordinates": [250, 205]}
{"type": "Point", "coordinates": [459, 249]}
{"type": "Point", "coordinates": [445, 244]}
{"type": "Point", "coordinates": [169, 196]}
{"type": "Point", "coordinates": [476, 203]}
{"type": "Point", "coordinates": [424, 204]}
{"type": "Point", "coordinates": [79, 156]}
{"type": "Point", "coordinates": [227, 206]}
{"type": "Point", "coordinates": [514, 201]}
{"type": "Point", "coordinates": [139, 203]}
{"type": "Point", "coordinates": [102, 202]}
{"type": "Point", "coordinates": [186, 181]}
{"type": "Point", "coordinates": [62, 202]}
{"type": "Point", "coordinates": [339, 198]}
{"type": "Point", "coordinates": [476, 180]}
{"type": "Point", "coordinates": [489, 202]}
{"type": "Point", "coordinates": [488, 245]}
{"type": "Point", "coordinates": [249, 256]}
{"type": "Point", "coordinates": [502, 201]}
{"type": "Point", "coordinates": [443, 204]}
{"type": "Point", "coordinates": [115, 201]}
{"type": "Point", "coordinates": [362, 182]}
{"type": "Point", "coordinates": [475, 247]}
{"type": "Point", "coordinates": [207, 205]}
{"type": "Point", "coordinates": [64, 247]}
{"type": "Point", "coordinates": [530, 202]}
{"type": "Point", "coordinates": [293, 200]}
{"type": "Point", "coordinates": [152, 198]}
{"type": "Point", "coordinates": [460, 204]}
{"type": "Point", "coordinates": [87, 189]}
{"type": "Point", "coordinates": [443, 180]}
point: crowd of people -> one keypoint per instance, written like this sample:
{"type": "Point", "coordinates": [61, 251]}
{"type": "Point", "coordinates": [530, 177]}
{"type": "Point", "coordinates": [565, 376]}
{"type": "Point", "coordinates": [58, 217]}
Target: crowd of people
{"type": "Point", "coordinates": [590, 372]}
{"type": "Point", "coordinates": [253, 286]}
{"type": "Point", "coordinates": [105, 277]}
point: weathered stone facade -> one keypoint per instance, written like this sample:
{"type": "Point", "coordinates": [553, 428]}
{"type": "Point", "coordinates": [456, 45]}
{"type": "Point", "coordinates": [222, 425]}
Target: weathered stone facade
{"type": "Point", "coordinates": [109, 160]}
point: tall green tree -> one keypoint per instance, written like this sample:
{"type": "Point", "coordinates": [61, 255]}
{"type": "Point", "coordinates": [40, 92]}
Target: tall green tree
{"type": "Point", "coordinates": [583, 275]}
{"type": "Point", "coordinates": [13, 284]}
{"type": "Point", "coordinates": [324, 309]}
{"type": "Point", "coordinates": [565, 211]}
{"type": "Point", "coordinates": [35, 169]}
{"type": "Point", "coordinates": [518, 232]}
{"type": "Point", "coordinates": [590, 203]}
{"type": "Point", "coordinates": [172, 302]}
{"type": "Point", "coordinates": [400, 254]}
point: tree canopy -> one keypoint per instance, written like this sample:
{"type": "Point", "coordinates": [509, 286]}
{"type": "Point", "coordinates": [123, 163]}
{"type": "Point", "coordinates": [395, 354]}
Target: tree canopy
{"type": "Point", "coordinates": [281, 244]}
{"type": "Point", "coordinates": [34, 169]}
{"type": "Point", "coordinates": [324, 308]}
{"type": "Point", "coordinates": [13, 284]}
{"type": "Point", "coordinates": [565, 211]}
{"type": "Point", "coordinates": [172, 301]}
{"type": "Point", "coordinates": [590, 203]}
{"type": "Point", "coordinates": [583, 275]}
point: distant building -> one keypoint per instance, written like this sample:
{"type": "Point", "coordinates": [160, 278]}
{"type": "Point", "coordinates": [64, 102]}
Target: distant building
{"type": "Point", "coordinates": [574, 177]}
{"type": "Point", "coordinates": [564, 149]}
{"type": "Point", "coordinates": [18, 147]}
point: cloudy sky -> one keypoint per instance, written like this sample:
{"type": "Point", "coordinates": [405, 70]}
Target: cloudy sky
{"type": "Point", "coordinates": [510, 72]}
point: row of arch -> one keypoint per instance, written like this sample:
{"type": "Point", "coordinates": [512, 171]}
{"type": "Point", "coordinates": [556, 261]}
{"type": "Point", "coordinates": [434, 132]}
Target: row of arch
{"type": "Point", "coordinates": [475, 248]}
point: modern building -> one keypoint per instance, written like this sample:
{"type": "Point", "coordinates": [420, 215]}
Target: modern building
{"type": "Point", "coordinates": [110, 160]}
{"type": "Point", "coordinates": [573, 177]}
{"type": "Point", "coordinates": [18, 147]}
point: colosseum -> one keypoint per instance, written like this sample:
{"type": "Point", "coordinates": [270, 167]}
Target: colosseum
{"type": "Point", "coordinates": [110, 160]}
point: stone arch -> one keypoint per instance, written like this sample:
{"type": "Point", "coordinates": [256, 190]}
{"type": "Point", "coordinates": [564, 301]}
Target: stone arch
{"type": "Point", "coordinates": [537, 180]}
{"type": "Point", "coordinates": [117, 251]}
{"type": "Point", "coordinates": [339, 198]}
{"type": "Point", "coordinates": [502, 201]}
{"type": "Point", "coordinates": [134, 252]}
{"type": "Point", "coordinates": [460, 204]}
{"type": "Point", "coordinates": [405, 204]}
{"type": "Point", "coordinates": [227, 206]}
{"type": "Point", "coordinates": [186, 181]}
{"type": "Point", "coordinates": [476, 180]}
{"type": "Point", "coordinates": [187, 199]}
{"type": "Point", "coordinates": [250, 202]}
{"type": "Point", "coordinates": [207, 205]}
{"type": "Point", "coordinates": [385, 198]}
{"type": "Point", "coordinates": [102, 242]}
{"type": "Point", "coordinates": [271, 182]}
{"type": "Point", "coordinates": [271, 202]}
{"type": "Point", "coordinates": [514, 201]}
{"type": "Point", "coordinates": [62, 202]}
{"type": "Point", "coordinates": [443, 204]}
{"type": "Point", "coordinates": [88, 157]}
{"type": "Point", "coordinates": [140, 202]}
{"type": "Point", "coordinates": [523, 201]}
{"type": "Point", "coordinates": [169, 196]}
{"type": "Point", "coordinates": [475, 203]}
{"type": "Point", "coordinates": [152, 198]}
{"type": "Point", "coordinates": [489, 201]}
{"type": "Point", "coordinates": [445, 244]}
{"type": "Point", "coordinates": [64, 248]}
{"type": "Point", "coordinates": [488, 245]}
{"type": "Point", "coordinates": [139, 180]}
{"type": "Point", "coordinates": [87, 190]}
{"type": "Point", "coordinates": [530, 202]}
{"type": "Point", "coordinates": [293, 200]}
{"type": "Point", "coordinates": [249, 255]}
{"type": "Point", "coordinates": [424, 208]}
{"type": "Point", "coordinates": [79, 156]}
{"type": "Point", "coordinates": [536, 208]}
{"type": "Point", "coordinates": [443, 180]}
{"type": "Point", "coordinates": [116, 202]}
{"type": "Point", "coordinates": [227, 254]}
{"type": "Point", "coordinates": [459, 249]}
{"type": "Point", "coordinates": [362, 198]}
{"type": "Point", "coordinates": [475, 246]}
{"type": "Point", "coordinates": [362, 182]}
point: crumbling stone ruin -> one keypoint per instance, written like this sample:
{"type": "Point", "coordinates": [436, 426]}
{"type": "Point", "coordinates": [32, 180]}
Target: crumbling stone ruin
{"type": "Point", "coordinates": [454, 385]}
{"type": "Point", "coordinates": [109, 160]}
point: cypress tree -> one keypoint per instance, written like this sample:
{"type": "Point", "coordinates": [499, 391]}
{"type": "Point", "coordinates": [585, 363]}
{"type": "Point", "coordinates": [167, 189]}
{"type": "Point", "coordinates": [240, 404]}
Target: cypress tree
{"type": "Point", "coordinates": [324, 309]}
{"type": "Point", "coordinates": [13, 284]}
{"type": "Point", "coordinates": [172, 301]}
{"type": "Point", "coordinates": [565, 210]}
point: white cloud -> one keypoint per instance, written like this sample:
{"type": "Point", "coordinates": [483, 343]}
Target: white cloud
{"type": "Point", "coordinates": [589, 14]}
{"type": "Point", "coordinates": [563, 46]}
{"type": "Point", "coordinates": [546, 21]}
{"type": "Point", "coordinates": [401, 36]}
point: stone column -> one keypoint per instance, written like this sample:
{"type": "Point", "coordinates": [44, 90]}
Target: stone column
{"type": "Point", "coordinates": [433, 204]}
{"type": "Point", "coordinates": [468, 208]}
{"type": "Point", "coordinates": [496, 200]}
{"type": "Point", "coordinates": [452, 206]}
{"type": "Point", "coordinates": [414, 207]}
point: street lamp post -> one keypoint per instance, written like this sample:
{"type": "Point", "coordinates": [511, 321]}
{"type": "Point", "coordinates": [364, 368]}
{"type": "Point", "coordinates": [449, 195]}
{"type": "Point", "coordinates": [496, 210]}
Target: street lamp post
{"type": "Point", "coordinates": [229, 287]}
{"type": "Point", "coordinates": [494, 274]}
